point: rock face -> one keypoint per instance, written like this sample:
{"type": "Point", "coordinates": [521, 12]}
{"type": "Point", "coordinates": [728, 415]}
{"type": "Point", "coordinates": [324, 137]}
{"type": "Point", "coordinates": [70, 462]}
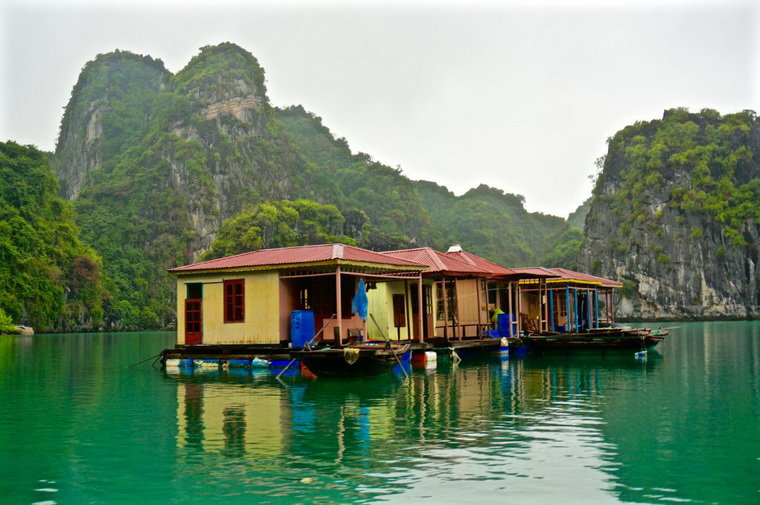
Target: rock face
{"type": "Point", "coordinates": [104, 87]}
{"type": "Point", "coordinates": [675, 217]}
{"type": "Point", "coordinates": [155, 162]}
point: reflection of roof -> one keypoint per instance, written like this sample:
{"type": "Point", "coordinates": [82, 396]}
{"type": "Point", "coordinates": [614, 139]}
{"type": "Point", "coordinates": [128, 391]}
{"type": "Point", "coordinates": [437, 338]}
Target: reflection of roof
{"type": "Point", "coordinates": [565, 275]}
{"type": "Point", "coordinates": [438, 262]}
{"type": "Point", "coordinates": [325, 253]}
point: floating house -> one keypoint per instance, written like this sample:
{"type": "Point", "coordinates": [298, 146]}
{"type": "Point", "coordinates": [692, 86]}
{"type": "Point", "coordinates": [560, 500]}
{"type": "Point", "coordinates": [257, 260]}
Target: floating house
{"type": "Point", "coordinates": [565, 301]}
{"type": "Point", "coordinates": [503, 289]}
{"type": "Point", "coordinates": [461, 291]}
{"type": "Point", "coordinates": [271, 301]}
{"type": "Point", "coordinates": [453, 293]}
{"type": "Point", "coordinates": [249, 300]}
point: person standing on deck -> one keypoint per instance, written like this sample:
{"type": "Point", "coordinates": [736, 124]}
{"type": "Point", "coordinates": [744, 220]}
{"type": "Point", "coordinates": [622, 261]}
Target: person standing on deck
{"type": "Point", "coordinates": [495, 311]}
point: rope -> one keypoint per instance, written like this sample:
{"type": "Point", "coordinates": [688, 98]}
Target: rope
{"type": "Point", "coordinates": [306, 347]}
{"type": "Point", "coordinates": [147, 359]}
{"type": "Point", "coordinates": [388, 343]}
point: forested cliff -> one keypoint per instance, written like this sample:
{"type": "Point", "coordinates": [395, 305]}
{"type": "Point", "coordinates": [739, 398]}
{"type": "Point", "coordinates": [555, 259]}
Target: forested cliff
{"type": "Point", "coordinates": [676, 216]}
{"type": "Point", "coordinates": [157, 162]}
{"type": "Point", "coordinates": [47, 274]}
{"type": "Point", "coordinates": [164, 169]}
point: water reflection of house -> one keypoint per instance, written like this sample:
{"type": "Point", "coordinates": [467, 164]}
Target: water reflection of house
{"type": "Point", "coordinates": [231, 420]}
{"type": "Point", "coordinates": [568, 301]}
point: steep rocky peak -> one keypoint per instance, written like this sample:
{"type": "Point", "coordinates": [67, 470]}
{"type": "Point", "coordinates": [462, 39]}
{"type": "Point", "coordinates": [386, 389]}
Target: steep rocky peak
{"type": "Point", "coordinates": [675, 216]}
{"type": "Point", "coordinates": [224, 73]}
{"type": "Point", "coordinates": [107, 84]}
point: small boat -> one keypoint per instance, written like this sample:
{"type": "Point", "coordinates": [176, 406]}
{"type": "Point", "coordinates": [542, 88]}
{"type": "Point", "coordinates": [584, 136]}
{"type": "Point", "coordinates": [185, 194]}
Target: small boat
{"type": "Point", "coordinates": [600, 338]}
{"type": "Point", "coordinates": [361, 360]}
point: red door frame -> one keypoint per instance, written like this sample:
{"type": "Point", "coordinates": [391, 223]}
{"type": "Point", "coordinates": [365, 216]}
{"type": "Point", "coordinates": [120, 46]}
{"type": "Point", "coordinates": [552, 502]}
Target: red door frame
{"type": "Point", "coordinates": [193, 321]}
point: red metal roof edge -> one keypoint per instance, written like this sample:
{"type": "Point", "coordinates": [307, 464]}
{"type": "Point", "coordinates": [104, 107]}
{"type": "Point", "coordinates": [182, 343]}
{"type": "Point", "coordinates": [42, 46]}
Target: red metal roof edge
{"type": "Point", "coordinates": [570, 275]}
{"type": "Point", "coordinates": [488, 265]}
{"type": "Point", "coordinates": [581, 275]}
{"type": "Point", "coordinates": [337, 251]}
{"type": "Point", "coordinates": [440, 261]}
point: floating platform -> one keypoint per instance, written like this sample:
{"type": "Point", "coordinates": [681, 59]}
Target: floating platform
{"type": "Point", "coordinates": [227, 352]}
{"type": "Point", "coordinates": [601, 338]}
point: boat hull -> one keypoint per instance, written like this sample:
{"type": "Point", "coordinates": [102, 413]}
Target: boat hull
{"type": "Point", "coordinates": [338, 363]}
{"type": "Point", "coordinates": [613, 339]}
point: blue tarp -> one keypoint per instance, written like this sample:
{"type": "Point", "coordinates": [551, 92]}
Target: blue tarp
{"type": "Point", "coordinates": [360, 303]}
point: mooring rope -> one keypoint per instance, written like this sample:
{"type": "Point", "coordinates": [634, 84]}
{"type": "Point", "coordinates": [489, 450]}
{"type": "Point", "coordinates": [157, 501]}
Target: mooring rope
{"type": "Point", "coordinates": [147, 359]}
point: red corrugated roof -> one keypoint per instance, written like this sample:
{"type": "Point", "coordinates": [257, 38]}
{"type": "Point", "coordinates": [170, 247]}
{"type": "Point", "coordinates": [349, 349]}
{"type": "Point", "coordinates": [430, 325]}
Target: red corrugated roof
{"type": "Point", "coordinates": [487, 265]}
{"type": "Point", "coordinates": [535, 271]}
{"type": "Point", "coordinates": [569, 275]}
{"type": "Point", "coordinates": [300, 254]}
{"type": "Point", "coordinates": [437, 261]}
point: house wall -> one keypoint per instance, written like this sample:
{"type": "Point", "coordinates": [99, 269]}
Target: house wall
{"type": "Point", "coordinates": [473, 305]}
{"type": "Point", "coordinates": [381, 307]}
{"type": "Point", "coordinates": [262, 299]}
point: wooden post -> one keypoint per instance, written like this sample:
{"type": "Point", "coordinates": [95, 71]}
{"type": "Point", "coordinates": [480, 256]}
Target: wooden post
{"type": "Point", "coordinates": [511, 309]}
{"type": "Point", "coordinates": [478, 288]}
{"type": "Point", "coordinates": [445, 309]}
{"type": "Point", "coordinates": [518, 294]}
{"type": "Point", "coordinates": [545, 306]}
{"type": "Point", "coordinates": [420, 309]}
{"type": "Point", "coordinates": [339, 308]}
{"type": "Point", "coordinates": [408, 310]}
{"type": "Point", "coordinates": [551, 310]}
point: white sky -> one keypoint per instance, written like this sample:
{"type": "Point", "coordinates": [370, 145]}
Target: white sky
{"type": "Point", "coordinates": [520, 94]}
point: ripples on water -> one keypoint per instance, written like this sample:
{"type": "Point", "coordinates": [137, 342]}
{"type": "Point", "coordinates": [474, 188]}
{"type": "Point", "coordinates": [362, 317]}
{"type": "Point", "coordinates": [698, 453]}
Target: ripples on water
{"type": "Point", "coordinates": [78, 426]}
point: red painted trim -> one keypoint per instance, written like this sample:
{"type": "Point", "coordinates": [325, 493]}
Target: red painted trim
{"type": "Point", "coordinates": [193, 321]}
{"type": "Point", "coordinates": [234, 300]}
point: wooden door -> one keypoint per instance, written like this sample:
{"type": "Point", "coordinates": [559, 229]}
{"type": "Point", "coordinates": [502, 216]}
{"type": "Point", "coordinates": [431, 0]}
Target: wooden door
{"type": "Point", "coordinates": [427, 315]}
{"type": "Point", "coordinates": [193, 322]}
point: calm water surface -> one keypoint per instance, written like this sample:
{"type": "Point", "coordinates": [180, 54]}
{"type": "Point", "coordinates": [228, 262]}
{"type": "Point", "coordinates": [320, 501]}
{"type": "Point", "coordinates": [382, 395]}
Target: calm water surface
{"type": "Point", "coordinates": [77, 426]}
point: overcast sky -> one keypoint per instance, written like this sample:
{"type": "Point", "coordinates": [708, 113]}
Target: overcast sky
{"type": "Point", "coordinates": [521, 95]}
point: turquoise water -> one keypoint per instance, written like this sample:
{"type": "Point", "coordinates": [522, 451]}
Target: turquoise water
{"type": "Point", "coordinates": [77, 426]}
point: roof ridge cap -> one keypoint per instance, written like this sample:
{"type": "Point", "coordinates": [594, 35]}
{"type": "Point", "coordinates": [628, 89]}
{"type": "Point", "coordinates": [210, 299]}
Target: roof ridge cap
{"type": "Point", "coordinates": [337, 251]}
{"type": "Point", "coordinates": [434, 256]}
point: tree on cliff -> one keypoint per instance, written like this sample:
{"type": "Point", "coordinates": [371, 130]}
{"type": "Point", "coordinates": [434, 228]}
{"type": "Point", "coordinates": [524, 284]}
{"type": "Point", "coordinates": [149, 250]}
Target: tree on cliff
{"type": "Point", "coordinates": [48, 278]}
{"type": "Point", "coordinates": [676, 213]}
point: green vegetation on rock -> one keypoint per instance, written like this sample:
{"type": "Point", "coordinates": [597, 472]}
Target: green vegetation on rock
{"type": "Point", "coordinates": [48, 278]}
{"type": "Point", "coordinates": [676, 214]}
{"type": "Point", "coordinates": [164, 167]}
{"type": "Point", "coordinates": [713, 153]}
{"type": "Point", "coordinates": [279, 224]}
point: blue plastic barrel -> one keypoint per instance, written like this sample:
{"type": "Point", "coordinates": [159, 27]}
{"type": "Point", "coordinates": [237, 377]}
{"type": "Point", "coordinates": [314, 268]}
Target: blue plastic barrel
{"type": "Point", "coordinates": [301, 327]}
{"type": "Point", "coordinates": [504, 321]}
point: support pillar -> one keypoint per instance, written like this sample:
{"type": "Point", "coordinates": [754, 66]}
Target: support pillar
{"type": "Point", "coordinates": [596, 308]}
{"type": "Point", "coordinates": [339, 308]}
{"type": "Point", "coordinates": [551, 309]}
{"type": "Point", "coordinates": [575, 309]}
{"type": "Point", "coordinates": [420, 310]}
{"type": "Point", "coordinates": [445, 308]}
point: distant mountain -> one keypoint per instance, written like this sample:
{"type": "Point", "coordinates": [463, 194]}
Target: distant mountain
{"type": "Point", "coordinates": [577, 218]}
{"type": "Point", "coordinates": [157, 162]}
{"type": "Point", "coordinates": [676, 216]}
